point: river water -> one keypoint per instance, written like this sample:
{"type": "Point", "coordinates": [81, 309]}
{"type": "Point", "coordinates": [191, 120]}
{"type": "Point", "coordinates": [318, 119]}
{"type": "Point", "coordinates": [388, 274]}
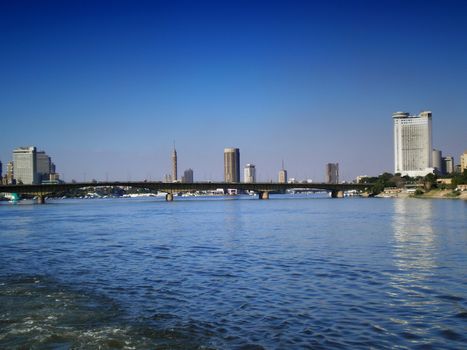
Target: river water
{"type": "Point", "coordinates": [236, 273]}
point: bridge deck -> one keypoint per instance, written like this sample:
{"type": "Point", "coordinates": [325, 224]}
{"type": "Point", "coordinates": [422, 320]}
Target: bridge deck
{"type": "Point", "coordinates": [182, 187]}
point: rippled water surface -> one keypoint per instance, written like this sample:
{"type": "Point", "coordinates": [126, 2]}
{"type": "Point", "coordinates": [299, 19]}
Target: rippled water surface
{"type": "Point", "coordinates": [287, 273]}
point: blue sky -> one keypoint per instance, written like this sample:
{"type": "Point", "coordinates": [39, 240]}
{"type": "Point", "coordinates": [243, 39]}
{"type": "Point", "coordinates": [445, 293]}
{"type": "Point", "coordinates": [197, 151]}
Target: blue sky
{"type": "Point", "coordinates": [106, 87]}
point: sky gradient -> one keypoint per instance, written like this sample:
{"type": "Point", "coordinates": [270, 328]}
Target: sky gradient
{"type": "Point", "coordinates": [106, 88]}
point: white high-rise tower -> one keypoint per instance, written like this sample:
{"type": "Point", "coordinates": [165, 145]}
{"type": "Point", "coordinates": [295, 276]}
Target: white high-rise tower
{"type": "Point", "coordinates": [249, 173]}
{"type": "Point", "coordinates": [25, 165]}
{"type": "Point", "coordinates": [412, 144]}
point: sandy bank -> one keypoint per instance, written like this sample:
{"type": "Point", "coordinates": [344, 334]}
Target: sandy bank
{"type": "Point", "coordinates": [442, 194]}
{"type": "Point", "coordinates": [446, 194]}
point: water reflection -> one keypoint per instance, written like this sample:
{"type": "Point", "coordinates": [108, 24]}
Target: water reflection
{"type": "Point", "coordinates": [414, 238]}
{"type": "Point", "coordinates": [233, 222]}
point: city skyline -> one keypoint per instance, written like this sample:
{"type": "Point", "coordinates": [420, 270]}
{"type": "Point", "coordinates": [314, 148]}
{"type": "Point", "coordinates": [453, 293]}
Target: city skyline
{"type": "Point", "coordinates": [307, 83]}
{"type": "Point", "coordinates": [414, 156]}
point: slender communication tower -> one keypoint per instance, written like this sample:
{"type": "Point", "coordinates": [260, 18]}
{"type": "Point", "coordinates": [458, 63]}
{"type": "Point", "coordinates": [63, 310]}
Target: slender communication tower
{"type": "Point", "coordinates": [174, 164]}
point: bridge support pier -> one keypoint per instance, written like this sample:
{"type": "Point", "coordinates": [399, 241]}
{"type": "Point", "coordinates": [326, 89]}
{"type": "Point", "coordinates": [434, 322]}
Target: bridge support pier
{"type": "Point", "coordinates": [40, 199]}
{"type": "Point", "coordinates": [169, 197]}
{"type": "Point", "coordinates": [337, 194]}
{"type": "Point", "coordinates": [263, 195]}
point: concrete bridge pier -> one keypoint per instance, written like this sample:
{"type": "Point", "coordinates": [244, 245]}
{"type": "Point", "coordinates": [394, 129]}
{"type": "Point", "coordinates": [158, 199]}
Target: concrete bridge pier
{"type": "Point", "coordinates": [40, 199]}
{"type": "Point", "coordinates": [337, 194]}
{"type": "Point", "coordinates": [169, 197]}
{"type": "Point", "coordinates": [263, 195]}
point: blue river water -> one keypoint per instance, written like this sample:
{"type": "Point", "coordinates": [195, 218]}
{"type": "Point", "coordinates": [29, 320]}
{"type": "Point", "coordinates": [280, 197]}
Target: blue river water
{"type": "Point", "coordinates": [234, 273]}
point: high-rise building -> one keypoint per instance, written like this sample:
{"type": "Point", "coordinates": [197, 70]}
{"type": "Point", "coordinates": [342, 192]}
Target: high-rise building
{"type": "Point", "coordinates": [9, 173]}
{"type": "Point", "coordinates": [332, 173]}
{"type": "Point", "coordinates": [282, 175]}
{"type": "Point", "coordinates": [464, 161]}
{"type": "Point", "coordinates": [174, 165]}
{"type": "Point", "coordinates": [448, 164]}
{"type": "Point", "coordinates": [188, 176]}
{"type": "Point", "coordinates": [412, 144]}
{"type": "Point", "coordinates": [44, 164]}
{"type": "Point", "coordinates": [249, 173]}
{"type": "Point", "coordinates": [231, 165]}
{"type": "Point", "coordinates": [437, 161]}
{"type": "Point", "coordinates": [1, 170]}
{"type": "Point", "coordinates": [25, 165]}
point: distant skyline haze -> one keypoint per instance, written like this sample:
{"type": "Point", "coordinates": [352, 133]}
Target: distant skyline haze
{"type": "Point", "coordinates": [106, 87]}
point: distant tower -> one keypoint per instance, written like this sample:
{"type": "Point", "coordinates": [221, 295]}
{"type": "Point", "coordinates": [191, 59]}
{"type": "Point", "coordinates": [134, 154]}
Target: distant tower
{"type": "Point", "coordinates": [282, 175]}
{"type": "Point", "coordinates": [9, 173]}
{"type": "Point", "coordinates": [231, 165]}
{"type": "Point", "coordinates": [174, 164]}
{"type": "Point", "coordinates": [437, 160]}
{"type": "Point", "coordinates": [188, 176]}
{"type": "Point", "coordinates": [44, 164]}
{"type": "Point", "coordinates": [332, 173]}
{"type": "Point", "coordinates": [1, 168]}
{"type": "Point", "coordinates": [25, 165]}
{"type": "Point", "coordinates": [448, 165]}
{"type": "Point", "coordinates": [413, 149]}
{"type": "Point", "coordinates": [249, 173]}
{"type": "Point", "coordinates": [464, 162]}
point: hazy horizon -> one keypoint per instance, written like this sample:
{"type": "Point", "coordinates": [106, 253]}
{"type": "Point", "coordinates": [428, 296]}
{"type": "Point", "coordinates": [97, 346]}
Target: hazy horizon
{"type": "Point", "coordinates": [106, 89]}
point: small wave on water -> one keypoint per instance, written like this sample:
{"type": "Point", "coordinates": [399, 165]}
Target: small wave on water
{"type": "Point", "coordinates": [37, 312]}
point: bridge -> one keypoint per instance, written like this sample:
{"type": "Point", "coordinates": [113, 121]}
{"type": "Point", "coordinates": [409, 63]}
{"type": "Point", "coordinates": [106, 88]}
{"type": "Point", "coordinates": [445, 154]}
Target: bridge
{"type": "Point", "coordinates": [262, 188]}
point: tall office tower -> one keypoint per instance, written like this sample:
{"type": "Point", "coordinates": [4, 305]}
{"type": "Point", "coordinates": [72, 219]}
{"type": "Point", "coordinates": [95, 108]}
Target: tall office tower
{"type": "Point", "coordinates": [282, 175]}
{"type": "Point", "coordinates": [44, 164]}
{"type": "Point", "coordinates": [1, 168]}
{"type": "Point", "coordinates": [464, 161]}
{"type": "Point", "coordinates": [249, 174]}
{"type": "Point", "coordinates": [25, 165]}
{"type": "Point", "coordinates": [188, 176]}
{"type": "Point", "coordinates": [332, 173]}
{"type": "Point", "coordinates": [448, 164]}
{"type": "Point", "coordinates": [231, 165]}
{"type": "Point", "coordinates": [412, 144]}
{"type": "Point", "coordinates": [9, 173]}
{"type": "Point", "coordinates": [174, 165]}
{"type": "Point", "coordinates": [437, 161]}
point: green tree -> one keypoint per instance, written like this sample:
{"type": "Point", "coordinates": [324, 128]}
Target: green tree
{"type": "Point", "coordinates": [429, 181]}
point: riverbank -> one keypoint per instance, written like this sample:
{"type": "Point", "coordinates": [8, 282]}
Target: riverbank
{"type": "Point", "coordinates": [445, 194]}
{"type": "Point", "coordinates": [433, 194]}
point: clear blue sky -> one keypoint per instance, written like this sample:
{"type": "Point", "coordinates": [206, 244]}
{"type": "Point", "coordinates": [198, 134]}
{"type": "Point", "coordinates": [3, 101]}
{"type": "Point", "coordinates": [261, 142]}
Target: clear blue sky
{"type": "Point", "coordinates": [106, 87]}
